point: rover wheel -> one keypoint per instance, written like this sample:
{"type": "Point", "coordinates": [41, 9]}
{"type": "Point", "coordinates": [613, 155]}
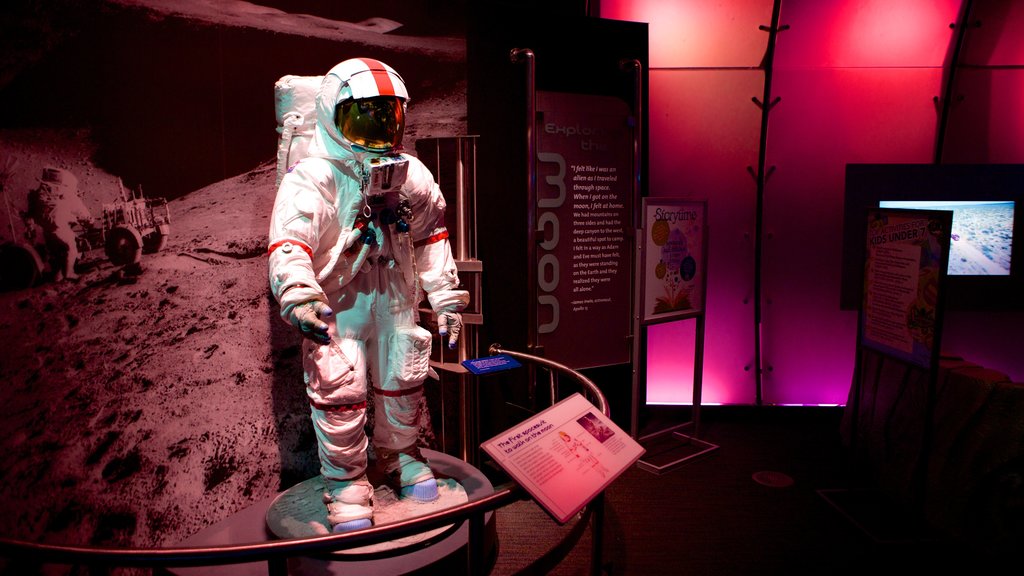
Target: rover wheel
{"type": "Point", "coordinates": [20, 266]}
{"type": "Point", "coordinates": [156, 240]}
{"type": "Point", "coordinates": [123, 246]}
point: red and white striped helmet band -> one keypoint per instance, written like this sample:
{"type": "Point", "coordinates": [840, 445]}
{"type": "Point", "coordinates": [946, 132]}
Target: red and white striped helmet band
{"type": "Point", "coordinates": [367, 78]}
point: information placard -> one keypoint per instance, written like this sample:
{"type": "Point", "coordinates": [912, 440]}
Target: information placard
{"type": "Point", "coordinates": [486, 365]}
{"type": "Point", "coordinates": [904, 275]}
{"type": "Point", "coordinates": [565, 455]}
{"type": "Point", "coordinates": [674, 239]}
{"type": "Point", "coordinates": [583, 214]}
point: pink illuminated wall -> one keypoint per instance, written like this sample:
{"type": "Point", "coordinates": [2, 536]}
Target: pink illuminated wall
{"type": "Point", "coordinates": [696, 123]}
{"type": "Point", "coordinates": [857, 82]}
{"type": "Point", "coordinates": [987, 125]}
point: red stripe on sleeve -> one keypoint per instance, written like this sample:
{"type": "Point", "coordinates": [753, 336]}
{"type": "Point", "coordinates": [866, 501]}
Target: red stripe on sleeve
{"type": "Point", "coordinates": [277, 245]}
{"type": "Point", "coordinates": [432, 239]}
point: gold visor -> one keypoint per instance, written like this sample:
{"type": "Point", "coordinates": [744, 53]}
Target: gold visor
{"type": "Point", "coordinates": [376, 124]}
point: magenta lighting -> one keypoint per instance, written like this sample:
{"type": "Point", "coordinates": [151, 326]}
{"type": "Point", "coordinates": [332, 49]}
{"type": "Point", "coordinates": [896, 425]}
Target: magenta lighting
{"type": "Point", "coordinates": [846, 83]}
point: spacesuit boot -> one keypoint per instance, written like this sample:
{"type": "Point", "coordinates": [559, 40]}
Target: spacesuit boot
{"type": "Point", "coordinates": [349, 504]}
{"type": "Point", "coordinates": [424, 491]}
{"type": "Point", "coordinates": [408, 470]}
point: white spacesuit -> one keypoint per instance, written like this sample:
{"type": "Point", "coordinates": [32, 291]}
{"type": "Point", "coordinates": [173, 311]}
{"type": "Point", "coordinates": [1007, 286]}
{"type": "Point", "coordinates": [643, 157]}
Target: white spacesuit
{"type": "Point", "coordinates": [353, 248]}
{"type": "Point", "coordinates": [56, 207]}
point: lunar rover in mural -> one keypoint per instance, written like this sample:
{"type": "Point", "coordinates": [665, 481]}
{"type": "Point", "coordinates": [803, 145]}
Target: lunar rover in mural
{"type": "Point", "coordinates": [130, 227]}
{"type": "Point", "coordinates": [126, 229]}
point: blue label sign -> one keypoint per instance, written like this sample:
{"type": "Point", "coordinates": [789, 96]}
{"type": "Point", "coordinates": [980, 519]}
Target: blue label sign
{"type": "Point", "coordinates": [490, 364]}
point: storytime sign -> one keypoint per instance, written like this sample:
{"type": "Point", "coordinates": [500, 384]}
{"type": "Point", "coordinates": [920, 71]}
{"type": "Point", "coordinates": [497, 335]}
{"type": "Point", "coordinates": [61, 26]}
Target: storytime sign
{"type": "Point", "coordinates": [674, 258]}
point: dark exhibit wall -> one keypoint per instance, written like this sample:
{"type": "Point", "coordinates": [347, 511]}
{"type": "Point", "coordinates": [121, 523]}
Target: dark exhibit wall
{"type": "Point", "coordinates": [572, 61]}
{"type": "Point", "coordinates": [850, 82]}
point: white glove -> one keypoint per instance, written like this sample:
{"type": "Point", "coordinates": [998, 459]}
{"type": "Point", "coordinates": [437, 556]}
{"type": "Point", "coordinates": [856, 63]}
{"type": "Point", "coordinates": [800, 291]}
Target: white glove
{"type": "Point", "coordinates": [449, 324]}
{"type": "Point", "coordinates": [309, 318]}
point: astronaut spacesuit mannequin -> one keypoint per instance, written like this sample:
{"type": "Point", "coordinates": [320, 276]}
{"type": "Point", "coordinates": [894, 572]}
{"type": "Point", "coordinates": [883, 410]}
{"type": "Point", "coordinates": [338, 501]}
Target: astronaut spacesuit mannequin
{"type": "Point", "coordinates": [348, 263]}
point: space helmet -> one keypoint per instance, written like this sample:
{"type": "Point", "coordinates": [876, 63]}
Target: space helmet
{"type": "Point", "coordinates": [58, 178]}
{"type": "Point", "coordinates": [371, 105]}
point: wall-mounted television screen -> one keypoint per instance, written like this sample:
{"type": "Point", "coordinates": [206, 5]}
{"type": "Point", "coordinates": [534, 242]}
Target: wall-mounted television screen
{"type": "Point", "coordinates": [985, 271]}
{"type": "Point", "coordinates": [981, 241]}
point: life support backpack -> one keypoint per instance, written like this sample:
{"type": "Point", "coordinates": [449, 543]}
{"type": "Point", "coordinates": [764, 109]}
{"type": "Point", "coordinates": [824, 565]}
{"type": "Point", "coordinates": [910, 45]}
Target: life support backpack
{"type": "Point", "coordinates": [295, 105]}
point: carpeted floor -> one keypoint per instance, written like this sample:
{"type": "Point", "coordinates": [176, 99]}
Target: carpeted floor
{"type": "Point", "coordinates": [772, 498]}
{"type": "Point", "coordinates": [767, 501]}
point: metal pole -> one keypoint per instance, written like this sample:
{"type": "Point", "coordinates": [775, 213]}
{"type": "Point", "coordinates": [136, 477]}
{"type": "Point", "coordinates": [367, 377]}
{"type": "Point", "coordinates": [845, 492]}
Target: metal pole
{"type": "Point", "coordinates": [277, 567]}
{"type": "Point", "coordinates": [466, 406]}
{"type": "Point", "coordinates": [462, 242]}
{"type": "Point", "coordinates": [597, 535]}
{"type": "Point", "coordinates": [526, 55]}
{"type": "Point", "coordinates": [475, 545]}
{"type": "Point", "coordinates": [637, 336]}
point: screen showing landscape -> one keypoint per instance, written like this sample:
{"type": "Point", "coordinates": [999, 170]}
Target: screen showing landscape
{"type": "Point", "coordinates": [981, 238]}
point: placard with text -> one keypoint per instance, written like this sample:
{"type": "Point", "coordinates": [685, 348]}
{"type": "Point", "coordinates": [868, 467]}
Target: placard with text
{"type": "Point", "coordinates": [674, 243]}
{"type": "Point", "coordinates": [565, 455]}
{"type": "Point", "coordinates": [904, 276]}
{"type": "Point", "coordinates": [583, 213]}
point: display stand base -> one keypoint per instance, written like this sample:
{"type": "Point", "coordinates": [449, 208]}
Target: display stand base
{"type": "Point", "coordinates": [300, 512]}
{"type": "Point", "coordinates": [878, 516]}
{"type": "Point", "coordinates": [296, 513]}
{"type": "Point", "coordinates": [665, 451]}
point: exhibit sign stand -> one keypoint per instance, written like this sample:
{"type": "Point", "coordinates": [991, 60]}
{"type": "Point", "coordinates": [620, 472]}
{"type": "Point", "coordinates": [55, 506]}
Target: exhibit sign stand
{"type": "Point", "coordinates": [671, 273]}
{"type": "Point", "coordinates": [904, 279]}
{"type": "Point", "coordinates": [565, 455]}
{"type": "Point", "coordinates": [905, 263]}
{"type": "Point", "coordinates": [905, 267]}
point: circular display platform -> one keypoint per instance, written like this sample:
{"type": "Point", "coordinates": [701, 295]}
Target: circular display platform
{"type": "Point", "coordinates": [299, 512]}
{"type": "Point", "coordinates": [444, 552]}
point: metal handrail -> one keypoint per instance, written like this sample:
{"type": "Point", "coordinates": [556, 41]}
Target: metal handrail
{"type": "Point", "coordinates": [596, 395]}
{"type": "Point", "coordinates": [595, 509]}
{"type": "Point", "coordinates": [241, 553]}
{"type": "Point", "coordinates": [276, 552]}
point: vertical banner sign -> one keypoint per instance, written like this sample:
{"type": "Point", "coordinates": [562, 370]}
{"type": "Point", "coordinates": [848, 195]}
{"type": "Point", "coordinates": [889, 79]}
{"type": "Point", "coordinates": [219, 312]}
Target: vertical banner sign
{"type": "Point", "coordinates": [675, 231]}
{"type": "Point", "coordinates": [584, 202]}
{"type": "Point", "coordinates": [904, 275]}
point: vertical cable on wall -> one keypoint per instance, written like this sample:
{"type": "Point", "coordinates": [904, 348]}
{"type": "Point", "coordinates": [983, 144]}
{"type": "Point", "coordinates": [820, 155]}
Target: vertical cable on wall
{"type": "Point", "coordinates": [960, 29]}
{"type": "Point", "coordinates": [766, 104]}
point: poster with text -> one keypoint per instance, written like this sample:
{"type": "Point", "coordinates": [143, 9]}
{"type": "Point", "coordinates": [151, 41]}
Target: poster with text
{"type": "Point", "coordinates": [674, 236]}
{"type": "Point", "coordinates": [904, 275]}
{"type": "Point", "coordinates": [565, 455]}
{"type": "Point", "coordinates": [583, 213]}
